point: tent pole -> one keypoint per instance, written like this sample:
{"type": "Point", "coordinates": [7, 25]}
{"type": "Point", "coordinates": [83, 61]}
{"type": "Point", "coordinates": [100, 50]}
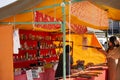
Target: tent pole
{"type": "Point", "coordinates": [64, 39]}
{"type": "Point", "coordinates": [44, 7]}
{"type": "Point", "coordinates": [30, 22]}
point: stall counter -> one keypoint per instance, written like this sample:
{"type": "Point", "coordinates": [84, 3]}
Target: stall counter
{"type": "Point", "coordinates": [49, 74]}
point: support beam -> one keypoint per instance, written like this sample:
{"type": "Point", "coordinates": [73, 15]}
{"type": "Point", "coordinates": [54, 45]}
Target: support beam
{"type": "Point", "coordinates": [30, 22]}
{"type": "Point", "coordinates": [64, 39]}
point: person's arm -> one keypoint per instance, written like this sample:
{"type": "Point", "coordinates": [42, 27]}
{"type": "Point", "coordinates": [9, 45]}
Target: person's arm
{"type": "Point", "coordinates": [102, 51]}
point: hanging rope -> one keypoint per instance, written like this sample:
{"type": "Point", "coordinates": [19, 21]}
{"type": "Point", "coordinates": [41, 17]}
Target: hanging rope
{"type": "Point", "coordinates": [55, 11]}
{"type": "Point", "coordinates": [69, 23]}
{"type": "Point", "coordinates": [69, 28]}
{"type": "Point", "coordinates": [33, 16]}
{"type": "Point", "coordinates": [14, 20]}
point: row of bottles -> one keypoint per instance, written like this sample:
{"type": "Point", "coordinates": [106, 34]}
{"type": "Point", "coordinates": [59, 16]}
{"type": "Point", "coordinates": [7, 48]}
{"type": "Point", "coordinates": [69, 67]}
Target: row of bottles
{"type": "Point", "coordinates": [34, 56]}
{"type": "Point", "coordinates": [34, 37]}
{"type": "Point", "coordinates": [38, 45]}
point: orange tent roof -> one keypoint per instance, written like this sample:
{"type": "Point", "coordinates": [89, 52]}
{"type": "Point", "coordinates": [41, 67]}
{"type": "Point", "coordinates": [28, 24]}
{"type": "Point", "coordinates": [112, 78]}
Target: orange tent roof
{"type": "Point", "coordinates": [93, 17]}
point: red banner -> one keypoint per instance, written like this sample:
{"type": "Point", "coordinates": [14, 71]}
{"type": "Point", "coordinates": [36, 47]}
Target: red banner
{"type": "Point", "coordinates": [40, 17]}
{"type": "Point", "coordinates": [80, 29]}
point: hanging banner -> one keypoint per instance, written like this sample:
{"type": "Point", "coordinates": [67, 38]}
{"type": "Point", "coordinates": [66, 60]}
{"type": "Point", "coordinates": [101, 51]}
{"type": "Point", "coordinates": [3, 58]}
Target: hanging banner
{"type": "Point", "coordinates": [80, 29]}
{"type": "Point", "coordinates": [16, 41]}
{"type": "Point", "coordinates": [40, 17]}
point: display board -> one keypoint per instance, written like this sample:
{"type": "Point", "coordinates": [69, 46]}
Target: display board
{"type": "Point", "coordinates": [36, 48]}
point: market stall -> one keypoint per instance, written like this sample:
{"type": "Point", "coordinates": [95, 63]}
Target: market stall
{"type": "Point", "coordinates": [29, 55]}
{"type": "Point", "coordinates": [50, 20]}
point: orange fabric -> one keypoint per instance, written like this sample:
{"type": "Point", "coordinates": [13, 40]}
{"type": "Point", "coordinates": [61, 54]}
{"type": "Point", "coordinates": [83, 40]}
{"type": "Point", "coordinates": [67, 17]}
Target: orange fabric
{"type": "Point", "coordinates": [95, 42]}
{"type": "Point", "coordinates": [88, 54]}
{"type": "Point", "coordinates": [80, 29]}
{"type": "Point", "coordinates": [22, 17]}
{"type": "Point", "coordinates": [89, 15]}
{"type": "Point", "coordinates": [113, 13]}
{"type": "Point", "coordinates": [56, 12]}
{"type": "Point", "coordinates": [95, 18]}
{"type": "Point", "coordinates": [6, 52]}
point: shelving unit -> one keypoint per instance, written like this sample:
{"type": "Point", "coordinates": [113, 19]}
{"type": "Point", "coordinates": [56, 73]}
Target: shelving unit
{"type": "Point", "coordinates": [35, 47]}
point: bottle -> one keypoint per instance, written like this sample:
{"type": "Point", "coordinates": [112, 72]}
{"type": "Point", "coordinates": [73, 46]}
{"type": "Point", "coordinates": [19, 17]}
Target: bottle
{"type": "Point", "coordinates": [26, 56]}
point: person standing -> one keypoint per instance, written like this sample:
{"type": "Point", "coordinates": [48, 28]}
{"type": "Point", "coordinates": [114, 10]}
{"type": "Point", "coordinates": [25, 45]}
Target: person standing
{"type": "Point", "coordinates": [111, 63]}
{"type": "Point", "coordinates": [113, 53]}
{"type": "Point", "coordinates": [69, 62]}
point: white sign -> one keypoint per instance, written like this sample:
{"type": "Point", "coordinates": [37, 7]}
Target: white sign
{"type": "Point", "coordinates": [16, 41]}
{"type": "Point", "coordinates": [29, 75]}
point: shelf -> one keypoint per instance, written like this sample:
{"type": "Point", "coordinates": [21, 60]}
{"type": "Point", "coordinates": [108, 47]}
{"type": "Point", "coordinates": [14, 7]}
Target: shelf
{"type": "Point", "coordinates": [29, 40]}
{"type": "Point", "coordinates": [34, 44]}
{"type": "Point", "coordinates": [62, 41]}
{"type": "Point", "coordinates": [25, 63]}
{"type": "Point", "coordinates": [29, 51]}
{"type": "Point", "coordinates": [50, 59]}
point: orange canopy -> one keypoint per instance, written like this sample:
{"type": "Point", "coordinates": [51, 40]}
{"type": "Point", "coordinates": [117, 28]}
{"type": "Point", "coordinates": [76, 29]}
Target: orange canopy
{"type": "Point", "coordinates": [88, 54]}
{"type": "Point", "coordinates": [80, 13]}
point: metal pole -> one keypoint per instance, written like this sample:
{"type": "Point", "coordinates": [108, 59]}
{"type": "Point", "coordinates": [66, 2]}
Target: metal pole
{"type": "Point", "coordinates": [30, 22]}
{"type": "Point", "coordinates": [64, 39]}
{"type": "Point", "coordinates": [106, 35]}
